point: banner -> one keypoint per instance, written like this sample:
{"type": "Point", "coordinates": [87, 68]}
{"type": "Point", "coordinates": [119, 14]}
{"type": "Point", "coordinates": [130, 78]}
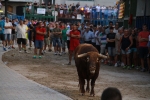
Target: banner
{"type": "Point", "coordinates": [41, 10]}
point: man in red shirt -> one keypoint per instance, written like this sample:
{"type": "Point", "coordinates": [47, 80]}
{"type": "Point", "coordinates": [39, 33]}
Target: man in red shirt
{"type": "Point", "coordinates": [74, 41]}
{"type": "Point", "coordinates": [39, 38]}
{"type": "Point", "coordinates": [143, 49]}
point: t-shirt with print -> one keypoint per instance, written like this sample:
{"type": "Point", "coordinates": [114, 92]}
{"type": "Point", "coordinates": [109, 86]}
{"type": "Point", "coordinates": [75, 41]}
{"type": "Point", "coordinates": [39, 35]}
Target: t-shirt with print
{"type": "Point", "coordinates": [103, 39]}
{"type": "Point", "coordinates": [111, 36]}
{"type": "Point", "coordinates": [40, 36]}
{"type": "Point", "coordinates": [56, 30]}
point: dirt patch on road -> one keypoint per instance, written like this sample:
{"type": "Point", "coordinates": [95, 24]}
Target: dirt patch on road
{"type": "Point", "coordinates": [52, 72]}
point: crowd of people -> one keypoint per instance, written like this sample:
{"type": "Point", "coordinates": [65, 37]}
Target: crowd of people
{"type": "Point", "coordinates": [129, 48]}
{"type": "Point", "coordinates": [64, 10]}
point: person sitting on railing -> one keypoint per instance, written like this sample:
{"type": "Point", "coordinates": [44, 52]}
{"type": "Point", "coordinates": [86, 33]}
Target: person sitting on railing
{"type": "Point", "coordinates": [65, 9]}
{"type": "Point", "coordinates": [61, 10]}
{"type": "Point", "coordinates": [74, 14]}
{"type": "Point", "coordinates": [73, 8]}
{"type": "Point", "coordinates": [49, 7]}
{"type": "Point", "coordinates": [43, 5]}
{"type": "Point", "coordinates": [78, 5]}
{"type": "Point", "coordinates": [69, 9]}
{"type": "Point", "coordinates": [35, 6]}
{"type": "Point", "coordinates": [103, 8]}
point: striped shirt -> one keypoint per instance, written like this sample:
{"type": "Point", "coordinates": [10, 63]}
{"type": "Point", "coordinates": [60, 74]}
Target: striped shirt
{"type": "Point", "coordinates": [103, 39]}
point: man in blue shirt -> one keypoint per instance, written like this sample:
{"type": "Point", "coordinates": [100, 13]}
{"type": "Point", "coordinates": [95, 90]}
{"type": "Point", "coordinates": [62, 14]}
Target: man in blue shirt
{"type": "Point", "coordinates": [1, 30]}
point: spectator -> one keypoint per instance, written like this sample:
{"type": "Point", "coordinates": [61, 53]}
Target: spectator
{"type": "Point", "coordinates": [125, 43]}
{"type": "Point", "coordinates": [31, 27]}
{"type": "Point", "coordinates": [78, 5]}
{"type": "Point", "coordinates": [148, 56]}
{"type": "Point", "coordinates": [46, 37]}
{"type": "Point", "coordinates": [39, 39]}
{"type": "Point", "coordinates": [93, 36]}
{"type": "Point", "coordinates": [117, 41]}
{"type": "Point", "coordinates": [21, 36]}
{"type": "Point", "coordinates": [143, 49]}
{"type": "Point", "coordinates": [51, 26]}
{"type": "Point", "coordinates": [64, 39]}
{"type": "Point", "coordinates": [134, 49]}
{"type": "Point", "coordinates": [56, 40]}
{"type": "Point", "coordinates": [98, 8]}
{"type": "Point", "coordinates": [111, 94]}
{"type": "Point", "coordinates": [13, 37]}
{"type": "Point", "coordinates": [68, 35]}
{"type": "Point", "coordinates": [97, 36]}
{"type": "Point", "coordinates": [108, 29]}
{"type": "Point", "coordinates": [87, 35]}
{"type": "Point", "coordinates": [111, 45]}
{"type": "Point", "coordinates": [7, 32]}
{"type": "Point", "coordinates": [0, 5]}
{"type": "Point", "coordinates": [2, 31]}
{"type": "Point", "coordinates": [116, 28]}
{"type": "Point", "coordinates": [73, 7]}
{"type": "Point", "coordinates": [74, 42]}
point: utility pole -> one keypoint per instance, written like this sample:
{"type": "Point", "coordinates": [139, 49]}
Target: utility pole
{"type": "Point", "coordinates": [6, 3]}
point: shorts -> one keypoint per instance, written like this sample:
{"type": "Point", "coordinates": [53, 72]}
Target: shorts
{"type": "Point", "coordinates": [111, 51]}
{"type": "Point", "coordinates": [39, 44]}
{"type": "Point", "coordinates": [46, 41]}
{"type": "Point", "coordinates": [7, 37]}
{"type": "Point", "coordinates": [56, 41]}
{"type": "Point", "coordinates": [133, 49]}
{"type": "Point", "coordinates": [29, 36]}
{"type": "Point", "coordinates": [125, 52]}
{"type": "Point", "coordinates": [1, 36]}
{"type": "Point", "coordinates": [13, 36]}
{"type": "Point", "coordinates": [64, 43]}
{"type": "Point", "coordinates": [68, 44]}
{"type": "Point", "coordinates": [143, 51]}
{"type": "Point", "coordinates": [50, 40]}
{"type": "Point", "coordinates": [103, 49]}
{"type": "Point", "coordinates": [21, 40]}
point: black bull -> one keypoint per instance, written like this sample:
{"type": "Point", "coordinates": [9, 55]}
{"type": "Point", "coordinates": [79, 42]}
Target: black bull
{"type": "Point", "coordinates": [87, 61]}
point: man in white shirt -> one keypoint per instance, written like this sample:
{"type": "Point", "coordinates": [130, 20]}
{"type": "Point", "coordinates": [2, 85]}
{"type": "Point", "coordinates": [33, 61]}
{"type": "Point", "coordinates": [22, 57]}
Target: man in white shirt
{"type": "Point", "coordinates": [7, 34]}
{"type": "Point", "coordinates": [98, 8]}
{"type": "Point", "coordinates": [21, 30]}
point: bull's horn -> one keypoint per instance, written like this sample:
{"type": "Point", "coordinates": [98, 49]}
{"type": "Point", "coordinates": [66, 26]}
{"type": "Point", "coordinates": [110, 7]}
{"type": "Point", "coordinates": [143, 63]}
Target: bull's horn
{"type": "Point", "coordinates": [103, 56]}
{"type": "Point", "coordinates": [82, 55]}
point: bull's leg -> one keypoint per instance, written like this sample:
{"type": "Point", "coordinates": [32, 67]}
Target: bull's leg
{"type": "Point", "coordinates": [92, 87]}
{"type": "Point", "coordinates": [82, 83]}
{"type": "Point", "coordinates": [87, 87]}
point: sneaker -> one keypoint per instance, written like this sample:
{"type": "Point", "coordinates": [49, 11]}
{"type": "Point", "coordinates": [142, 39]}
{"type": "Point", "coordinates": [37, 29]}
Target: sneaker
{"type": "Point", "coordinates": [40, 57]}
{"type": "Point", "coordinates": [132, 66]}
{"type": "Point", "coordinates": [4, 49]}
{"type": "Point", "coordinates": [42, 53]}
{"type": "Point", "coordinates": [102, 60]}
{"type": "Point", "coordinates": [60, 54]}
{"type": "Point", "coordinates": [25, 51]}
{"type": "Point", "coordinates": [124, 67]}
{"type": "Point", "coordinates": [116, 65]}
{"type": "Point", "coordinates": [128, 67]}
{"type": "Point", "coordinates": [34, 57]}
{"type": "Point", "coordinates": [20, 51]}
{"type": "Point", "coordinates": [122, 64]}
{"type": "Point", "coordinates": [55, 53]}
{"type": "Point", "coordinates": [9, 47]}
{"type": "Point", "coordinates": [143, 70]}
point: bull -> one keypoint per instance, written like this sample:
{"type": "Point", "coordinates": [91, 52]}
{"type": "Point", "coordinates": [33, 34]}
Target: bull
{"type": "Point", "coordinates": [87, 61]}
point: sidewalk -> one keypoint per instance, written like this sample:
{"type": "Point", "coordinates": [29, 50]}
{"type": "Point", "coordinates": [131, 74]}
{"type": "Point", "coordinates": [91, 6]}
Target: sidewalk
{"type": "Point", "coordinates": [14, 86]}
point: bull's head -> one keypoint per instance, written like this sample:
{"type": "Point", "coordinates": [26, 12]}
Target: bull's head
{"type": "Point", "coordinates": [92, 59]}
